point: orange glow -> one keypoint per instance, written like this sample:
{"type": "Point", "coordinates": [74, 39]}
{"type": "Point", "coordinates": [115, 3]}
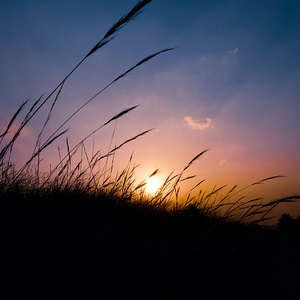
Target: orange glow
{"type": "Point", "coordinates": [153, 184]}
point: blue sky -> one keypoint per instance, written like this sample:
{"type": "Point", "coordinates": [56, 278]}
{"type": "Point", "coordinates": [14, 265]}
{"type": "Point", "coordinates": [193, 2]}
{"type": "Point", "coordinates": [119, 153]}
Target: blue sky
{"type": "Point", "coordinates": [231, 85]}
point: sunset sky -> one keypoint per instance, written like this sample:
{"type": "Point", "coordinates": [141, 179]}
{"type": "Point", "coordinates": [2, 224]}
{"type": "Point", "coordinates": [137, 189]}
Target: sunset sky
{"type": "Point", "coordinates": [232, 85]}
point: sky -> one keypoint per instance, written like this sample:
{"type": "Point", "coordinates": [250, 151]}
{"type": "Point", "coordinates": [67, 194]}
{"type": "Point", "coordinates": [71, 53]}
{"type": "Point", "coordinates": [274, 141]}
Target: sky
{"type": "Point", "coordinates": [230, 86]}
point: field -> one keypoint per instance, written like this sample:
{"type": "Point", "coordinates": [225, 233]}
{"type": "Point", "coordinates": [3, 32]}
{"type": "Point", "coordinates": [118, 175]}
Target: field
{"type": "Point", "coordinates": [79, 226]}
{"type": "Point", "coordinates": [55, 238]}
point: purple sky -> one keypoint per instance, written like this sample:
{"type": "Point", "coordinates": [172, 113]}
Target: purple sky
{"type": "Point", "coordinates": [231, 85]}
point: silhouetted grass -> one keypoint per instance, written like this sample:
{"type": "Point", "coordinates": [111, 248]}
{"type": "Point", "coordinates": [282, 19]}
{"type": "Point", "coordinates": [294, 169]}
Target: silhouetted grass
{"type": "Point", "coordinates": [80, 222]}
{"type": "Point", "coordinates": [106, 235]}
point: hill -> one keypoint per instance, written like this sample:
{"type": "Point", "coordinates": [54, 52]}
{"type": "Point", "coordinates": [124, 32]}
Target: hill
{"type": "Point", "coordinates": [76, 238]}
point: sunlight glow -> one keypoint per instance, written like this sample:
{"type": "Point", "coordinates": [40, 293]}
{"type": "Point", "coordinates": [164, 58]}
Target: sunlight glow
{"type": "Point", "coordinates": [153, 184]}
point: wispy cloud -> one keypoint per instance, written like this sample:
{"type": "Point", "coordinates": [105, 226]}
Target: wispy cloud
{"type": "Point", "coordinates": [234, 51]}
{"type": "Point", "coordinates": [197, 124]}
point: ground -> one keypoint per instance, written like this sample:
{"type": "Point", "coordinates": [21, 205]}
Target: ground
{"type": "Point", "coordinates": [58, 239]}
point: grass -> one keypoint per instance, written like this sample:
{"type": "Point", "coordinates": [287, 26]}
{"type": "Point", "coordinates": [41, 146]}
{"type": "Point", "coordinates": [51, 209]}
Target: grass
{"type": "Point", "coordinates": [78, 220]}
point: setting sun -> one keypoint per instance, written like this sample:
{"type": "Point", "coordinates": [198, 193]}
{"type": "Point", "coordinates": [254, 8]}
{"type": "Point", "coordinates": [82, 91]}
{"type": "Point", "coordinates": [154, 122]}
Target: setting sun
{"type": "Point", "coordinates": [153, 184]}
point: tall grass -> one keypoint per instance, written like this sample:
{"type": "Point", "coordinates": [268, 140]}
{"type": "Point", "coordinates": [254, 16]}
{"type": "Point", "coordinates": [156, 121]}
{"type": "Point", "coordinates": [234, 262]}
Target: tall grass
{"type": "Point", "coordinates": [93, 174]}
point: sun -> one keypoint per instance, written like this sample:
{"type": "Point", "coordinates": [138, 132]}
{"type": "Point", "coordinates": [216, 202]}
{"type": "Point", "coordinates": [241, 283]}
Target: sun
{"type": "Point", "coordinates": [152, 185]}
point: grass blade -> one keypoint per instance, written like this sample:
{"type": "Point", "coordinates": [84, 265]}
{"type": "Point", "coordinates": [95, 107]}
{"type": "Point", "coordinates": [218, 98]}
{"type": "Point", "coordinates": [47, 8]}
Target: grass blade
{"type": "Point", "coordinates": [110, 34]}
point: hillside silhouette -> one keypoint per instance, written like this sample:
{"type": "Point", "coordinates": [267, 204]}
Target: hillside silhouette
{"type": "Point", "coordinates": [75, 237]}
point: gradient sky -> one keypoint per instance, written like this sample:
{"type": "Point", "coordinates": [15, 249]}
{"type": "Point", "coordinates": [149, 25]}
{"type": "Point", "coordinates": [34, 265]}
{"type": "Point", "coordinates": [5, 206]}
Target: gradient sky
{"type": "Point", "coordinates": [230, 86]}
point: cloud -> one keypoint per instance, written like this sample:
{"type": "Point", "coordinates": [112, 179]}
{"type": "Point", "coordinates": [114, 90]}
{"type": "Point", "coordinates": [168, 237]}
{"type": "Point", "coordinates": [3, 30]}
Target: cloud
{"type": "Point", "coordinates": [235, 50]}
{"type": "Point", "coordinates": [197, 124]}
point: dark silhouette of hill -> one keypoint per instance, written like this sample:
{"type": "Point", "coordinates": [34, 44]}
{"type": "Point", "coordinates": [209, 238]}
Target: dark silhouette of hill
{"type": "Point", "coordinates": [72, 237]}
